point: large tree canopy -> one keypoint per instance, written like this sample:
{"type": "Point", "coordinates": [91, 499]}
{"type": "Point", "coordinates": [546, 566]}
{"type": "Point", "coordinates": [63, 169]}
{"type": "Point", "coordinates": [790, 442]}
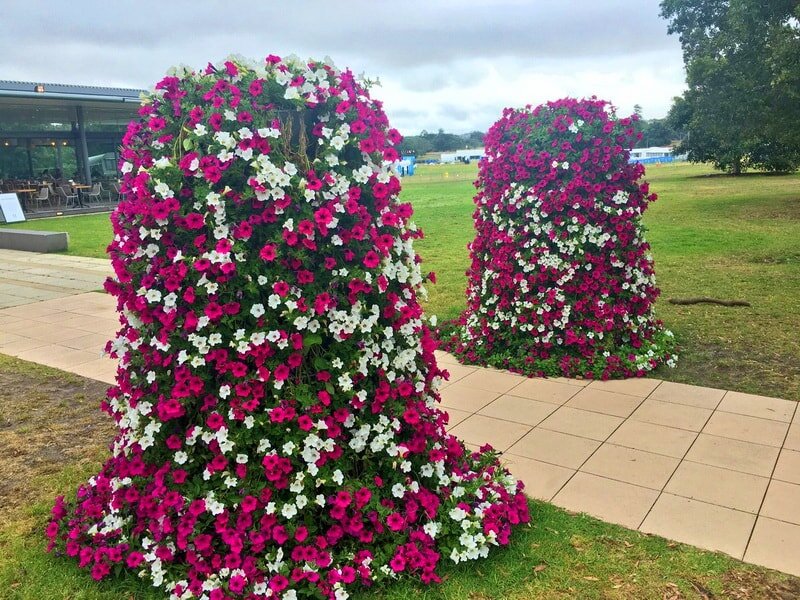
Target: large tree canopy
{"type": "Point", "coordinates": [743, 73]}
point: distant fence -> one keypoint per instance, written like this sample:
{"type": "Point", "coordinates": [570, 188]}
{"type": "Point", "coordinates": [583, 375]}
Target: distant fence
{"type": "Point", "coordinates": [658, 159]}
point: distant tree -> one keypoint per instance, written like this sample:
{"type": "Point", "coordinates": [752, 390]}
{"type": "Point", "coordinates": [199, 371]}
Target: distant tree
{"type": "Point", "coordinates": [639, 124]}
{"type": "Point", "coordinates": [659, 132]}
{"type": "Point", "coordinates": [742, 62]}
{"type": "Point", "coordinates": [416, 145]}
{"type": "Point", "coordinates": [441, 141]}
{"type": "Point", "coordinates": [474, 139]}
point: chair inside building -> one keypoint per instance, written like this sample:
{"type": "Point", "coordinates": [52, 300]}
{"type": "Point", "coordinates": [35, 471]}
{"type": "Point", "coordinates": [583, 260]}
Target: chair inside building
{"type": "Point", "coordinates": [59, 144]}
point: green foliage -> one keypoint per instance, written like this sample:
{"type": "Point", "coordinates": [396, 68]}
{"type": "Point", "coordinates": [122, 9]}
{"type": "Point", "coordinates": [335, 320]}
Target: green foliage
{"type": "Point", "coordinates": [743, 73]}
{"type": "Point", "coordinates": [658, 132]}
{"type": "Point", "coordinates": [440, 142]}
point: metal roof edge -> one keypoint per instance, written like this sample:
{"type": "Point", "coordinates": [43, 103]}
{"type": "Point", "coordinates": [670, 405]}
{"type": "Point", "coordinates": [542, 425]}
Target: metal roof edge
{"type": "Point", "coordinates": [62, 91]}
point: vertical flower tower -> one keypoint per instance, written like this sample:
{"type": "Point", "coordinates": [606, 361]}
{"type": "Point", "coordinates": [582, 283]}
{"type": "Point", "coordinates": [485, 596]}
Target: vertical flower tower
{"type": "Point", "coordinates": [561, 280]}
{"type": "Point", "coordinates": [276, 398]}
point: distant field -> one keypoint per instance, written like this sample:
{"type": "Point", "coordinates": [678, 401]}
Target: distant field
{"type": "Point", "coordinates": [712, 235]}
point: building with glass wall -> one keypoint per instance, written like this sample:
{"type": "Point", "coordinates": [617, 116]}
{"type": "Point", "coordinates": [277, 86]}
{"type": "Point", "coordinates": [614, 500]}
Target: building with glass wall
{"type": "Point", "coordinates": [69, 131]}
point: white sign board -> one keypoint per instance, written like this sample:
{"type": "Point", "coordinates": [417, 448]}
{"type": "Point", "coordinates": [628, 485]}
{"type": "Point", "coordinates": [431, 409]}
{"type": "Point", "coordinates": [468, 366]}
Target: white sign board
{"type": "Point", "coordinates": [10, 209]}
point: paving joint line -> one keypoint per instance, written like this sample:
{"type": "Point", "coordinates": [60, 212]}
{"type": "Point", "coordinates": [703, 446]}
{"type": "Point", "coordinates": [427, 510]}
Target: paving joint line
{"type": "Point", "coordinates": [769, 485]}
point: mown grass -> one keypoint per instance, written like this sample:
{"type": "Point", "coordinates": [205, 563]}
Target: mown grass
{"type": "Point", "coordinates": [558, 556]}
{"type": "Point", "coordinates": [89, 235]}
{"type": "Point", "coordinates": [711, 234]}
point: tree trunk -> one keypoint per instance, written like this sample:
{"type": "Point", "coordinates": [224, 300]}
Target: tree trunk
{"type": "Point", "coordinates": [737, 165]}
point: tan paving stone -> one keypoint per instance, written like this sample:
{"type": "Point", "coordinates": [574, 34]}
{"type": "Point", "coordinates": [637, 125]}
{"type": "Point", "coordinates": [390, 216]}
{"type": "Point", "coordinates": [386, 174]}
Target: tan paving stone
{"type": "Point", "coordinates": [545, 390]}
{"type": "Point", "coordinates": [736, 455]}
{"type": "Point", "coordinates": [518, 410]}
{"type": "Point", "coordinates": [457, 372]}
{"type": "Point", "coordinates": [7, 338]}
{"type": "Point", "coordinates": [582, 423]}
{"type": "Point", "coordinates": [555, 448]}
{"type": "Point", "coordinates": [614, 501]}
{"type": "Point", "coordinates": [466, 398]}
{"type": "Point", "coordinates": [19, 327]}
{"type": "Point", "coordinates": [94, 300]}
{"type": "Point", "coordinates": [609, 403]}
{"type": "Point", "coordinates": [793, 437]}
{"type": "Point", "coordinates": [631, 466]}
{"type": "Point", "coordinates": [495, 381]}
{"type": "Point", "coordinates": [89, 323]}
{"type": "Point", "coordinates": [52, 318]}
{"type": "Point", "coordinates": [101, 369]}
{"type": "Point", "coordinates": [542, 480]}
{"type": "Point", "coordinates": [571, 381]}
{"type": "Point", "coordinates": [52, 333]}
{"type": "Point", "coordinates": [775, 545]}
{"type": "Point", "coordinates": [748, 429]}
{"type": "Point", "coordinates": [58, 357]}
{"type": "Point", "coordinates": [480, 430]}
{"type": "Point", "coordinates": [701, 524]}
{"type": "Point", "coordinates": [94, 342]}
{"type": "Point", "coordinates": [32, 291]}
{"type": "Point", "coordinates": [7, 319]}
{"type": "Point", "coordinates": [782, 502]}
{"type": "Point", "coordinates": [691, 395]}
{"type": "Point", "coordinates": [653, 438]}
{"type": "Point", "coordinates": [788, 467]}
{"type": "Point", "coordinates": [30, 311]}
{"type": "Point", "coordinates": [15, 348]}
{"type": "Point", "coordinates": [758, 406]}
{"type": "Point", "coordinates": [672, 415]}
{"type": "Point", "coordinates": [732, 489]}
{"type": "Point", "coordinates": [456, 416]}
{"type": "Point", "coordinates": [93, 311]}
{"type": "Point", "coordinates": [639, 386]}
{"type": "Point", "coordinates": [445, 357]}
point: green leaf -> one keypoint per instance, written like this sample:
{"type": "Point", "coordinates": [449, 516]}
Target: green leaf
{"type": "Point", "coordinates": [188, 144]}
{"type": "Point", "coordinates": [312, 339]}
{"type": "Point", "coordinates": [302, 394]}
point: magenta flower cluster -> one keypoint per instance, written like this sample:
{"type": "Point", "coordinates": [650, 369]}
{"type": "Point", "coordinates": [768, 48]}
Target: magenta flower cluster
{"type": "Point", "coordinates": [561, 280]}
{"type": "Point", "coordinates": [276, 400]}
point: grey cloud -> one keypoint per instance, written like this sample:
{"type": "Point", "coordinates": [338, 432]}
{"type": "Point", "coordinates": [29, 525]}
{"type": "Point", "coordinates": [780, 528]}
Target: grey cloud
{"type": "Point", "coordinates": [414, 32]}
{"type": "Point", "coordinates": [423, 47]}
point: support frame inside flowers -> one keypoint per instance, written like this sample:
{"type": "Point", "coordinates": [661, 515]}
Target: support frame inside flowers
{"type": "Point", "coordinates": [276, 399]}
{"type": "Point", "coordinates": [561, 280]}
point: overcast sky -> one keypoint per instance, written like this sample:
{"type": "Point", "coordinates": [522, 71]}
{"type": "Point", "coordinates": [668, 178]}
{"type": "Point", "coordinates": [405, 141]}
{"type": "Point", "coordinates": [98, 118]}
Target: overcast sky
{"type": "Point", "coordinates": [453, 64]}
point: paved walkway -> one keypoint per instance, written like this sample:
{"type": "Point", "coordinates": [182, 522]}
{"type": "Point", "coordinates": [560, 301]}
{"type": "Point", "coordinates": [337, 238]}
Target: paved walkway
{"type": "Point", "coordinates": [67, 333]}
{"type": "Point", "coordinates": [26, 277]}
{"type": "Point", "coordinates": [716, 469]}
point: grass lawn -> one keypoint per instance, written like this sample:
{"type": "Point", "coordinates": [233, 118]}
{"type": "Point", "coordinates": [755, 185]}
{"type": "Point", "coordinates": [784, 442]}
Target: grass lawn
{"type": "Point", "coordinates": [712, 235]}
{"type": "Point", "coordinates": [89, 235]}
{"type": "Point", "coordinates": [53, 437]}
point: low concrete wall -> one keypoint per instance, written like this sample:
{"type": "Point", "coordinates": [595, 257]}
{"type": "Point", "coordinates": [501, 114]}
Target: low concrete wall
{"type": "Point", "coordinates": [34, 241]}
